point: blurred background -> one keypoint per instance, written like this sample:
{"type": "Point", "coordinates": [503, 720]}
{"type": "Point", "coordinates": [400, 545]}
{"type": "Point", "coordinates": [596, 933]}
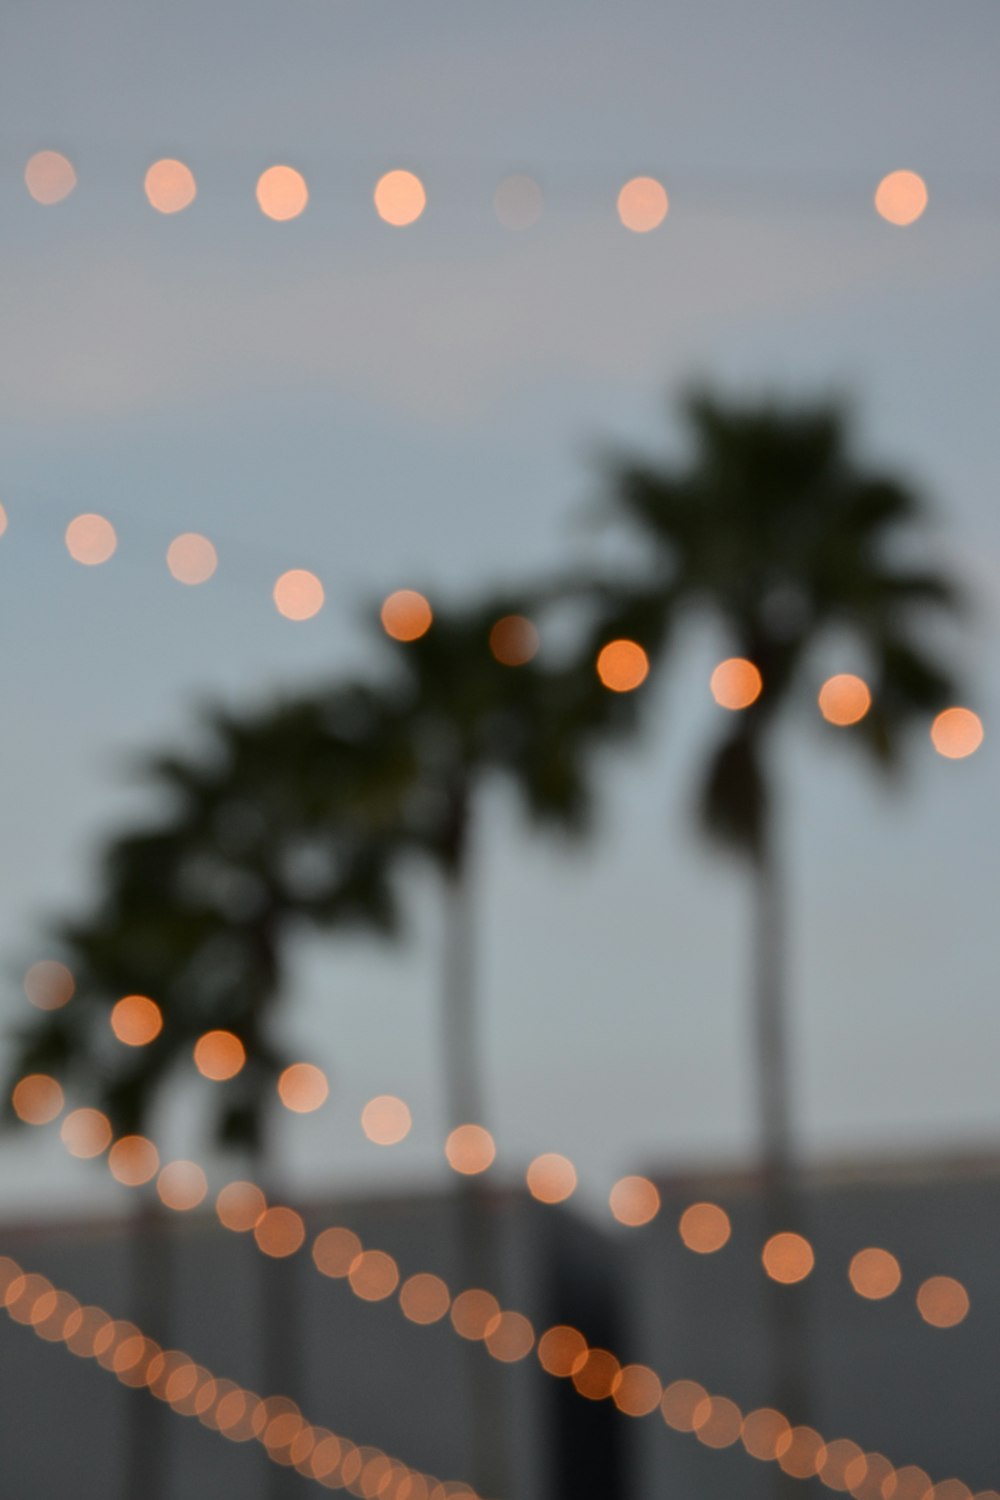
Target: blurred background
{"type": "Point", "coordinates": [439, 383]}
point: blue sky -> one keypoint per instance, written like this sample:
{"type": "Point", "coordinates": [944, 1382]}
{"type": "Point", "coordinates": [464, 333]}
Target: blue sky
{"type": "Point", "coordinates": [424, 406]}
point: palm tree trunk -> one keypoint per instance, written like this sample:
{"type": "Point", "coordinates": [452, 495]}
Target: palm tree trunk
{"type": "Point", "coordinates": [785, 1309]}
{"type": "Point", "coordinates": [477, 1260]}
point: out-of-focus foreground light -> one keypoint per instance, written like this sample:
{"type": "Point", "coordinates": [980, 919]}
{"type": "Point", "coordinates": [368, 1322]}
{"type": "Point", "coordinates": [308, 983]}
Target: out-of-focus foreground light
{"type": "Point", "coordinates": [86, 1133]}
{"type": "Point", "coordinates": [136, 1020]}
{"type": "Point", "coordinates": [49, 177]}
{"type": "Point", "coordinates": [133, 1160]}
{"type": "Point", "coordinates": [282, 193]}
{"type": "Point", "coordinates": [191, 558]}
{"type": "Point", "coordinates": [634, 1201]}
{"type": "Point", "coordinates": [470, 1149]}
{"type": "Point", "coordinates": [788, 1257]}
{"type": "Point", "coordinates": [736, 683]}
{"type": "Point", "coordinates": [642, 204]}
{"type": "Point", "coordinates": [551, 1178]}
{"type": "Point", "coordinates": [37, 1099]}
{"type": "Point", "coordinates": [279, 1232]}
{"type": "Point", "coordinates": [901, 198]}
{"type": "Point", "coordinates": [90, 539]}
{"type": "Point", "coordinates": [386, 1120]}
{"type": "Point", "coordinates": [400, 198]}
{"type": "Point", "coordinates": [303, 1088]}
{"type": "Point", "coordinates": [844, 699]}
{"type": "Point", "coordinates": [182, 1185]}
{"type": "Point", "coordinates": [219, 1055]}
{"type": "Point", "coordinates": [874, 1273]}
{"type": "Point", "coordinates": [170, 186]}
{"type": "Point", "coordinates": [406, 615]}
{"type": "Point", "coordinates": [622, 666]}
{"type": "Point", "coordinates": [705, 1228]}
{"type": "Point", "coordinates": [956, 733]}
{"type": "Point", "coordinates": [239, 1206]}
{"type": "Point", "coordinates": [298, 594]}
{"type": "Point", "coordinates": [942, 1301]}
{"type": "Point", "coordinates": [49, 985]}
{"type": "Point", "coordinates": [514, 641]}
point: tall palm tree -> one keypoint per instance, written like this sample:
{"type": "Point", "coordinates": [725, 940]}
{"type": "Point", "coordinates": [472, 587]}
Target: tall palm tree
{"type": "Point", "coordinates": [771, 530]}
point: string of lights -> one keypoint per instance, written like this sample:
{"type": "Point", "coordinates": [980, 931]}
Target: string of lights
{"type": "Point", "coordinates": [224, 1406]}
{"type": "Point", "coordinates": [476, 1315]}
{"type": "Point", "coordinates": [400, 197]}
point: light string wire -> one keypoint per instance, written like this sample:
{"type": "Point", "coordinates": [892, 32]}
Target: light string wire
{"type": "Point", "coordinates": [190, 1389]}
{"type": "Point", "coordinates": [476, 1315]}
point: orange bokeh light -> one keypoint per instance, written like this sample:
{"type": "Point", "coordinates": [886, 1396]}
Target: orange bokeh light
{"type": "Point", "coordinates": [799, 1451]}
{"type": "Point", "coordinates": [424, 1298]}
{"type": "Point", "coordinates": [551, 1178]}
{"type": "Point", "coordinates": [841, 1464]}
{"type": "Point", "coordinates": [874, 1273]}
{"type": "Point", "coordinates": [762, 1430]}
{"type": "Point", "coordinates": [956, 733]}
{"type": "Point", "coordinates": [282, 193]}
{"type": "Point", "coordinates": [718, 1422]}
{"type": "Point", "coordinates": [844, 699]}
{"type": "Point", "coordinates": [510, 1338]}
{"type": "Point", "coordinates": [907, 1483]}
{"type": "Point", "coordinates": [37, 1099]}
{"type": "Point", "coordinates": [219, 1055]}
{"type": "Point", "coordinates": [170, 186]}
{"type": "Point", "coordinates": [191, 558]}
{"type": "Point", "coordinates": [475, 1313]}
{"type": "Point", "coordinates": [400, 198]}
{"type": "Point", "coordinates": [86, 1133]}
{"type": "Point", "coordinates": [562, 1351]}
{"type": "Point", "coordinates": [634, 1201]}
{"type": "Point", "coordinates": [49, 985]}
{"type": "Point", "coordinates": [303, 1088]}
{"type": "Point", "coordinates": [788, 1257]}
{"type": "Point", "coordinates": [637, 1390]}
{"type": "Point", "coordinates": [239, 1206]}
{"type": "Point", "coordinates": [942, 1301]}
{"type": "Point", "coordinates": [470, 1149]}
{"type": "Point", "coordinates": [514, 641]}
{"type": "Point", "coordinates": [335, 1251]}
{"type": "Point", "coordinates": [622, 666]}
{"type": "Point", "coordinates": [3, 520]}
{"type": "Point", "coordinates": [386, 1120]}
{"type": "Point", "coordinates": [373, 1275]}
{"type": "Point", "coordinates": [279, 1232]}
{"type": "Point", "coordinates": [736, 683]}
{"type": "Point", "coordinates": [182, 1185]}
{"type": "Point", "coordinates": [136, 1020]}
{"type": "Point", "coordinates": [901, 198]}
{"type": "Point", "coordinates": [705, 1228]}
{"type": "Point", "coordinates": [596, 1378]}
{"type": "Point", "coordinates": [406, 615]}
{"type": "Point", "coordinates": [133, 1160]}
{"type": "Point", "coordinates": [90, 539]}
{"type": "Point", "coordinates": [298, 594]}
{"type": "Point", "coordinates": [643, 204]}
{"type": "Point", "coordinates": [49, 177]}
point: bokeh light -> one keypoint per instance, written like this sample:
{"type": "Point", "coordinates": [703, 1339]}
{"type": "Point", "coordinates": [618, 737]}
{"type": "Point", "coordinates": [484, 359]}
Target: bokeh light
{"type": "Point", "coordinates": [37, 1099]}
{"type": "Point", "coordinates": [170, 186]}
{"type": "Point", "coordinates": [736, 683]}
{"type": "Point", "coordinates": [901, 197]}
{"type": "Point", "coordinates": [636, 1390]}
{"type": "Point", "coordinates": [788, 1257]}
{"type": "Point", "coordinates": [874, 1273]}
{"type": "Point", "coordinates": [86, 1133]}
{"type": "Point", "coordinates": [133, 1160]}
{"type": "Point", "coordinates": [475, 1313]}
{"type": "Point", "coordinates": [48, 984]}
{"type": "Point", "coordinates": [634, 1201]}
{"type": "Point", "coordinates": [424, 1298]}
{"type": "Point", "coordinates": [956, 733]}
{"type": "Point", "coordinates": [386, 1120]}
{"type": "Point", "coordinates": [907, 1483]}
{"type": "Point", "coordinates": [551, 1178]}
{"type": "Point", "coordinates": [762, 1430]}
{"type": "Point", "coordinates": [704, 1228]}
{"type": "Point", "coordinates": [840, 1464]}
{"type": "Point", "coordinates": [49, 177]}
{"type": "Point", "coordinates": [562, 1351]}
{"type": "Point", "coordinates": [406, 615]}
{"type": "Point", "coordinates": [717, 1422]}
{"type": "Point", "coordinates": [942, 1301]}
{"type": "Point", "coordinates": [191, 558]}
{"type": "Point", "coordinates": [682, 1399]}
{"type": "Point", "coordinates": [279, 1232]}
{"type": "Point", "coordinates": [3, 520]}
{"type": "Point", "coordinates": [302, 1088]}
{"type": "Point", "coordinates": [239, 1206]}
{"type": "Point", "coordinates": [219, 1055]}
{"type": "Point", "coordinates": [514, 641]}
{"type": "Point", "coordinates": [518, 202]}
{"type": "Point", "coordinates": [282, 193]}
{"type": "Point", "coordinates": [622, 666]}
{"type": "Point", "coordinates": [844, 699]}
{"type": "Point", "coordinates": [373, 1275]}
{"type": "Point", "coordinates": [182, 1185]}
{"type": "Point", "coordinates": [136, 1020]}
{"type": "Point", "coordinates": [298, 594]}
{"type": "Point", "coordinates": [642, 204]}
{"type": "Point", "coordinates": [400, 198]}
{"type": "Point", "coordinates": [335, 1250]}
{"type": "Point", "coordinates": [798, 1452]}
{"type": "Point", "coordinates": [470, 1149]}
{"type": "Point", "coordinates": [90, 539]}
{"type": "Point", "coordinates": [510, 1338]}
{"type": "Point", "coordinates": [596, 1377]}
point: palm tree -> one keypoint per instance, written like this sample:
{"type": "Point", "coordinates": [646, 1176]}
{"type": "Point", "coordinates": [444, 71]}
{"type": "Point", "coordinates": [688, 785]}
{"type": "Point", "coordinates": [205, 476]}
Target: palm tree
{"type": "Point", "coordinates": [772, 531]}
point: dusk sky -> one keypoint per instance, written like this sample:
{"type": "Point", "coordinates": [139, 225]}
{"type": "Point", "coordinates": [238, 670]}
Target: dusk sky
{"type": "Point", "coordinates": [426, 406]}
